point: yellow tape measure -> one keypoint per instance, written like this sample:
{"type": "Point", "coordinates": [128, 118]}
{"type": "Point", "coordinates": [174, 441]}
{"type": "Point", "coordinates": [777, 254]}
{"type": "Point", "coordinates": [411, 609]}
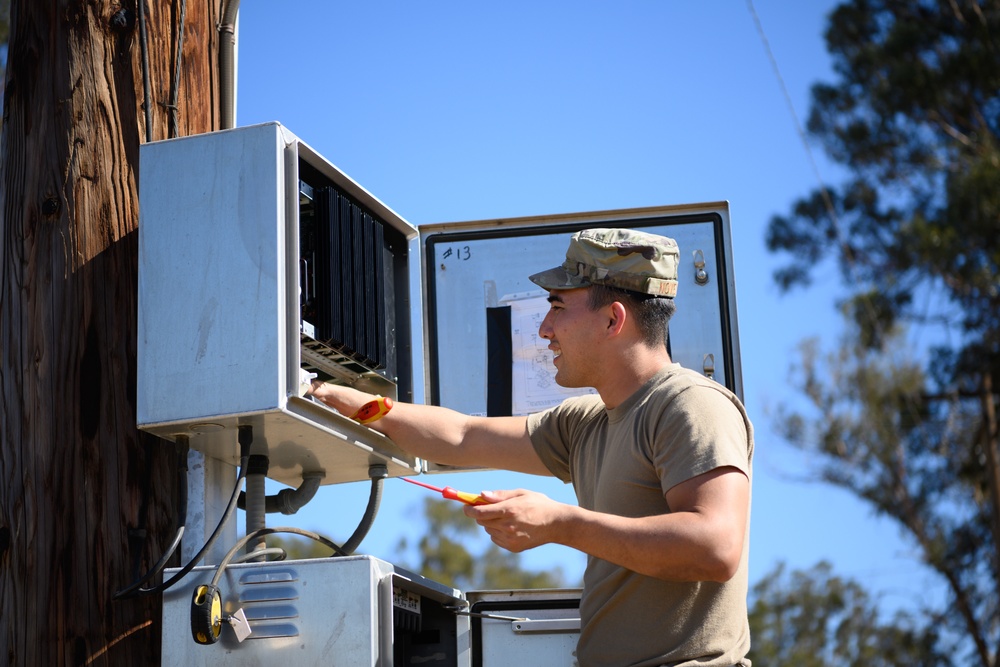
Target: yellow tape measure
{"type": "Point", "coordinates": [206, 614]}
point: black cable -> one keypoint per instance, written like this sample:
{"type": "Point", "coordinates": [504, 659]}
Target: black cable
{"type": "Point", "coordinates": [260, 532]}
{"type": "Point", "coordinates": [176, 84]}
{"type": "Point", "coordinates": [155, 570]}
{"type": "Point", "coordinates": [262, 553]}
{"type": "Point", "coordinates": [180, 516]}
{"type": "Point", "coordinates": [245, 439]}
{"type": "Point", "coordinates": [144, 48]}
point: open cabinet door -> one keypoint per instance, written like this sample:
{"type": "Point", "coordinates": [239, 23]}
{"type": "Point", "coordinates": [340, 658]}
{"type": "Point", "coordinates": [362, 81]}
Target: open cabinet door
{"type": "Point", "coordinates": [481, 313]}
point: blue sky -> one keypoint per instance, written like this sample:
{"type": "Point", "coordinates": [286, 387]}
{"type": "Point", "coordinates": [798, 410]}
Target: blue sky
{"type": "Point", "coordinates": [452, 111]}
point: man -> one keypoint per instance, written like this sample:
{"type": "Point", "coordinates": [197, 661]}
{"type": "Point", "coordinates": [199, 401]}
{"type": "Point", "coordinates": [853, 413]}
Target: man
{"type": "Point", "coordinates": [660, 460]}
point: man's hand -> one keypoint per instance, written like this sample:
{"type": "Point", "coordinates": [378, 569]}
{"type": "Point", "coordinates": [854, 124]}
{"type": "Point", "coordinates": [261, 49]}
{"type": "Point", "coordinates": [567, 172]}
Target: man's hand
{"type": "Point", "coordinates": [519, 520]}
{"type": "Point", "coordinates": [343, 399]}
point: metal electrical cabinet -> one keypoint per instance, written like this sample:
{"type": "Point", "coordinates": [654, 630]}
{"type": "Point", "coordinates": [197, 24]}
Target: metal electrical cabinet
{"type": "Point", "coordinates": [262, 265]}
{"type": "Point", "coordinates": [232, 226]}
{"type": "Point", "coordinates": [356, 611]}
{"type": "Point", "coordinates": [524, 627]}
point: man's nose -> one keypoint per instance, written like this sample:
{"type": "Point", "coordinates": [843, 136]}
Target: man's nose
{"type": "Point", "coordinates": [544, 329]}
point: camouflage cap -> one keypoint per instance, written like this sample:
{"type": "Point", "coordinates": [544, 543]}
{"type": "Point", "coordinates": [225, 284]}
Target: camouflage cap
{"type": "Point", "coordinates": [625, 258]}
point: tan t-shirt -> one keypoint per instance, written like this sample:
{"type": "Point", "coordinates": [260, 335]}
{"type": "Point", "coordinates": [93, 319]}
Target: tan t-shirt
{"type": "Point", "coordinates": [623, 461]}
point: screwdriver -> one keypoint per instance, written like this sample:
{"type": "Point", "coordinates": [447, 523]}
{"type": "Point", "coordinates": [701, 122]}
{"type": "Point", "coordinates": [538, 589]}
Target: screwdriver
{"type": "Point", "coordinates": [451, 494]}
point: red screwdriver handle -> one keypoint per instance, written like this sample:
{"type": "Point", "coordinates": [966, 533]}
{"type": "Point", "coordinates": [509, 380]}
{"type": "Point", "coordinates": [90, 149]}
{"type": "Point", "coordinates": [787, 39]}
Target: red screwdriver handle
{"type": "Point", "coordinates": [463, 497]}
{"type": "Point", "coordinates": [450, 493]}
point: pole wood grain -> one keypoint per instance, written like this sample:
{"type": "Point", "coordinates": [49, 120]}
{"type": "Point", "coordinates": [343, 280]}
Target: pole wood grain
{"type": "Point", "coordinates": [86, 500]}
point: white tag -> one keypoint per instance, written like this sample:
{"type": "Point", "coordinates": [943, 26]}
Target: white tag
{"type": "Point", "coordinates": [405, 600]}
{"type": "Point", "coordinates": [240, 625]}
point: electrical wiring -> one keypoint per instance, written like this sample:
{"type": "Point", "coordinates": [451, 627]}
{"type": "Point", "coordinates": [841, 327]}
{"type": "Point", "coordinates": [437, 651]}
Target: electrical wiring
{"type": "Point", "coordinates": [260, 532]}
{"type": "Point", "coordinates": [153, 571]}
{"type": "Point", "coordinates": [269, 551]}
{"type": "Point", "coordinates": [144, 48]}
{"type": "Point", "coordinates": [180, 513]}
{"type": "Point", "coordinates": [377, 473]}
{"type": "Point", "coordinates": [207, 614]}
{"type": "Point", "coordinates": [245, 440]}
{"type": "Point", "coordinates": [176, 83]}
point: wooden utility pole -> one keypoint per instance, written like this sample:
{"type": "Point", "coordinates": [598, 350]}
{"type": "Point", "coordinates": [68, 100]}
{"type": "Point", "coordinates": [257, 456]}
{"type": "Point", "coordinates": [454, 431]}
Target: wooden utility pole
{"type": "Point", "coordinates": [86, 501]}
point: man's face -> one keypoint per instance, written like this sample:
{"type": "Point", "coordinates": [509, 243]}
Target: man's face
{"type": "Point", "coordinates": [574, 334]}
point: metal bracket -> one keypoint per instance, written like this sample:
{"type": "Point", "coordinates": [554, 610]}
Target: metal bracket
{"type": "Point", "coordinates": [700, 274]}
{"type": "Point", "coordinates": [546, 625]}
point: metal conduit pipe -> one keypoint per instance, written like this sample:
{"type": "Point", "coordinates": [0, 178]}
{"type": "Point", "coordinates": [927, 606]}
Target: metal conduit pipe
{"type": "Point", "coordinates": [255, 519]}
{"type": "Point", "coordinates": [290, 501]}
{"type": "Point", "coordinates": [377, 472]}
{"type": "Point", "coordinates": [227, 64]}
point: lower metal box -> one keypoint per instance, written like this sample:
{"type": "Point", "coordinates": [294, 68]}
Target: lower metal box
{"type": "Point", "coordinates": [353, 611]}
{"type": "Point", "coordinates": [526, 627]}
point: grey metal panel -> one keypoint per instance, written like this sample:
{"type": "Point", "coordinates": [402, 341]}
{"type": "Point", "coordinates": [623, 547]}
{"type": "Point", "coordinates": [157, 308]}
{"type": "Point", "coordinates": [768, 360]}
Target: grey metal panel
{"type": "Point", "coordinates": [211, 288]}
{"type": "Point", "coordinates": [526, 627]}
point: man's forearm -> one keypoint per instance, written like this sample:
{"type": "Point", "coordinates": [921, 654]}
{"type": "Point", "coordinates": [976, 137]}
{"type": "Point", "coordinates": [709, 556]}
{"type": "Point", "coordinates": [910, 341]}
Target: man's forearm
{"type": "Point", "coordinates": [701, 540]}
{"type": "Point", "coordinates": [445, 436]}
{"type": "Point", "coordinates": [428, 432]}
{"type": "Point", "coordinates": [681, 546]}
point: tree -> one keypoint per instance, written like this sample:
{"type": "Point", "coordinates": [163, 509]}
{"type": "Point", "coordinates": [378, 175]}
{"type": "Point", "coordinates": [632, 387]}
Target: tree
{"type": "Point", "coordinates": [86, 501]}
{"type": "Point", "coordinates": [814, 618]}
{"type": "Point", "coordinates": [914, 116]}
{"type": "Point", "coordinates": [444, 555]}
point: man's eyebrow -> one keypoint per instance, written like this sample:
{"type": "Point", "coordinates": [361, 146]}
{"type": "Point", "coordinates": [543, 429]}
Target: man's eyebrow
{"type": "Point", "coordinates": [555, 297]}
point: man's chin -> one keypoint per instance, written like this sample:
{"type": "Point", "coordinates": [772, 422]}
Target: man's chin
{"type": "Point", "coordinates": [566, 383]}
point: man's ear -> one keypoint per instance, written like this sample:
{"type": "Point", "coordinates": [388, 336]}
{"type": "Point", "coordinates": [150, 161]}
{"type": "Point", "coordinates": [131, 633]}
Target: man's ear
{"type": "Point", "coordinates": [616, 323]}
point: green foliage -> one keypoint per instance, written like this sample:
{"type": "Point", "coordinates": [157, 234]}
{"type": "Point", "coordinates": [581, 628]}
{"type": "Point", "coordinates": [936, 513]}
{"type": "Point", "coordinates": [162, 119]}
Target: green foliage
{"type": "Point", "coordinates": [884, 441]}
{"type": "Point", "coordinates": [816, 619]}
{"type": "Point", "coordinates": [914, 116]}
{"type": "Point", "coordinates": [915, 459]}
{"type": "Point", "coordinates": [452, 552]}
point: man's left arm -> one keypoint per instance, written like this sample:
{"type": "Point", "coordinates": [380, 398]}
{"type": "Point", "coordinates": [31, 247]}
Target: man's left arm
{"type": "Point", "coordinates": [701, 539]}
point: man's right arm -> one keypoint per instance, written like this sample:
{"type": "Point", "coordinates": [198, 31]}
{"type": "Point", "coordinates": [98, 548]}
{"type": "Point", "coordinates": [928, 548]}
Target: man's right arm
{"type": "Point", "coordinates": [445, 436]}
